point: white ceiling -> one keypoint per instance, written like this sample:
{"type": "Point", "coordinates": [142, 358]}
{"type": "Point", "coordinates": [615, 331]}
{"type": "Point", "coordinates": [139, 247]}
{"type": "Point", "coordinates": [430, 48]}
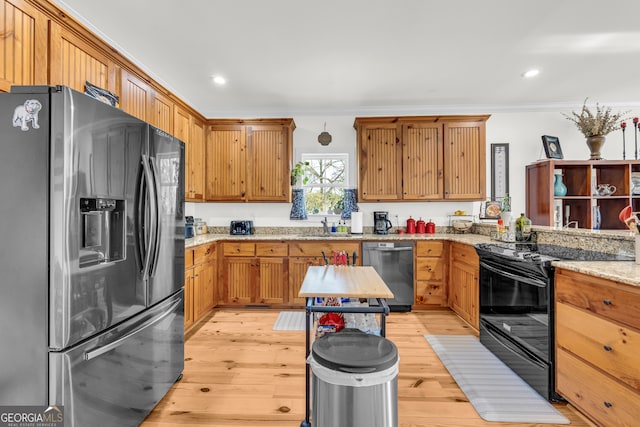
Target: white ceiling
{"type": "Point", "coordinates": [292, 57]}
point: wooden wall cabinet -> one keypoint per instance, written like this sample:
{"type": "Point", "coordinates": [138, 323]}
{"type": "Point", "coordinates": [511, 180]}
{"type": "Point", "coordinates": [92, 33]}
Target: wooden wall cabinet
{"type": "Point", "coordinates": [303, 255]}
{"type": "Point", "coordinates": [464, 282]}
{"type": "Point", "coordinates": [430, 274]}
{"type": "Point", "coordinates": [581, 178]}
{"type": "Point", "coordinates": [597, 346]}
{"type": "Point", "coordinates": [190, 130]}
{"type": "Point", "coordinates": [421, 158]}
{"type": "Point", "coordinates": [249, 160]}
{"type": "Point", "coordinates": [23, 43]}
{"type": "Point", "coordinates": [254, 273]}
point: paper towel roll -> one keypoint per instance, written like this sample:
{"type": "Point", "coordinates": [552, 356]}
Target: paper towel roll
{"type": "Point", "coordinates": [356, 222]}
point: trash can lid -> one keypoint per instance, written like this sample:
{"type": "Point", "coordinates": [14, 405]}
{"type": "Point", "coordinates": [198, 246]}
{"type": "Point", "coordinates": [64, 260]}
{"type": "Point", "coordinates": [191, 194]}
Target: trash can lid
{"type": "Point", "coordinates": [352, 350]}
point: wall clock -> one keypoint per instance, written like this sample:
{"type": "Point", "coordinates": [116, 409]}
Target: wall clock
{"type": "Point", "coordinates": [499, 171]}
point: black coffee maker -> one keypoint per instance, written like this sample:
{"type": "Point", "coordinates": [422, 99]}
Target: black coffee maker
{"type": "Point", "coordinates": [381, 223]}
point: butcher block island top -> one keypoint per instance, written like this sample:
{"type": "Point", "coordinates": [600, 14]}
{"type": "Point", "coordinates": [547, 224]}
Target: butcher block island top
{"type": "Point", "coordinates": [343, 281]}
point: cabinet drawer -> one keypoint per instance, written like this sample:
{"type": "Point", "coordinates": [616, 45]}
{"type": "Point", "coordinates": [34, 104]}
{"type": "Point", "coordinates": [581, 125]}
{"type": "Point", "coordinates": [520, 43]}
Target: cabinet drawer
{"type": "Point", "coordinates": [203, 251]}
{"type": "Point", "coordinates": [429, 293]}
{"type": "Point", "coordinates": [603, 297]}
{"type": "Point", "coordinates": [272, 249]}
{"type": "Point", "coordinates": [188, 258]}
{"type": "Point", "coordinates": [430, 269]}
{"type": "Point", "coordinates": [238, 249]}
{"type": "Point", "coordinates": [607, 401]}
{"type": "Point", "coordinates": [430, 248]}
{"type": "Point", "coordinates": [608, 346]}
{"type": "Point", "coordinates": [464, 253]}
{"type": "Point", "coordinates": [315, 249]}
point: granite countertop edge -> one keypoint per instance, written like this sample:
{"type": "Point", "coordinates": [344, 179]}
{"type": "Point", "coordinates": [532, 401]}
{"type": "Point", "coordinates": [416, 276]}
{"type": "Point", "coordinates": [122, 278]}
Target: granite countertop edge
{"type": "Point", "coordinates": [469, 238]}
{"type": "Point", "coordinates": [627, 272]}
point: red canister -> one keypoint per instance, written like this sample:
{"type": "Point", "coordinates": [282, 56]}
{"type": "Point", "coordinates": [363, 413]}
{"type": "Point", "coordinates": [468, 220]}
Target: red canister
{"type": "Point", "coordinates": [431, 227]}
{"type": "Point", "coordinates": [411, 226]}
{"type": "Point", "coordinates": [420, 226]}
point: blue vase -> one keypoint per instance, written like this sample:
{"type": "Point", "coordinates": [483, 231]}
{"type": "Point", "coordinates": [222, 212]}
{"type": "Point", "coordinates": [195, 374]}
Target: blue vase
{"type": "Point", "coordinates": [559, 189]}
{"type": "Point", "coordinates": [298, 208]}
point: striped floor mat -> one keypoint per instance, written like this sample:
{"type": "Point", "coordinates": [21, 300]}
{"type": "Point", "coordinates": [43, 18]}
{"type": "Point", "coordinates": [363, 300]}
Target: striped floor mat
{"type": "Point", "coordinates": [290, 321]}
{"type": "Point", "coordinates": [494, 390]}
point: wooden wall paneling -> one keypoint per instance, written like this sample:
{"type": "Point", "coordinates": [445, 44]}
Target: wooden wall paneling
{"type": "Point", "coordinates": [23, 43]}
{"type": "Point", "coordinates": [464, 154]}
{"type": "Point", "coordinates": [422, 161]}
{"type": "Point", "coordinates": [226, 163]}
{"type": "Point", "coordinates": [268, 166]}
{"type": "Point", "coordinates": [380, 162]}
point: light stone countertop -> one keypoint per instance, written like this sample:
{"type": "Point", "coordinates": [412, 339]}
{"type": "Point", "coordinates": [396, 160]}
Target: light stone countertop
{"type": "Point", "coordinates": [626, 272]}
{"type": "Point", "coordinates": [467, 238]}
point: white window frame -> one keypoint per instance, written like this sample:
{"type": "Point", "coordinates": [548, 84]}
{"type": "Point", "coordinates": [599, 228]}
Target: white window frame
{"type": "Point", "coordinates": [345, 184]}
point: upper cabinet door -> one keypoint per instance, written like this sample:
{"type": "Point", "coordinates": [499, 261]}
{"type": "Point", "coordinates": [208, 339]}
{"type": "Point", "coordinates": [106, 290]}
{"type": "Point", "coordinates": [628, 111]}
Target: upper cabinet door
{"type": "Point", "coordinates": [23, 43]}
{"type": "Point", "coordinates": [268, 163]}
{"type": "Point", "coordinates": [135, 96]}
{"type": "Point", "coordinates": [74, 62]}
{"type": "Point", "coordinates": [161, 112]}
{"type": "Point", "coordinates": [197, 161]}
{"type": "Point", "coordinates": [226, 163]}
{"type": "Point", "coordinates": [464, 154]}
{"type": "Point", "coordinates": [380, 162]}
{"type": "Point", "coordinates": [422, 161]}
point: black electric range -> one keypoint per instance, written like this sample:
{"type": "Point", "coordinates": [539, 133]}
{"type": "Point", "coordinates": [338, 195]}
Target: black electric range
{"type": "Point", "coordinates": [516, 305]}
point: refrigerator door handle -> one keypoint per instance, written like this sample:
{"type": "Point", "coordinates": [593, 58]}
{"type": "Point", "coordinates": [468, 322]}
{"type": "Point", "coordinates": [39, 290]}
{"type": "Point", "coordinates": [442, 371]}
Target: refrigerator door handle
{"type": "Point", "coordinates": [156, 214]}
{"type": "Point", "coordinates": [141, 241]}
{"type": "Point", "coordinates": [151, 190]}
{"type": "Point", "coordinates": [92, 354]}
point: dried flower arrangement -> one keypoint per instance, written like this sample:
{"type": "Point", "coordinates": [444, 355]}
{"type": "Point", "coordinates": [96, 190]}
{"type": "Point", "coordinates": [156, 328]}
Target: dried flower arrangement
{"type": "Point", "coordinates": [599, 124]}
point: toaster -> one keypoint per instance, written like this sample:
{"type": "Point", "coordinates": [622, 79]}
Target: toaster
{"type": "Point", "coordinates": [241, 228]}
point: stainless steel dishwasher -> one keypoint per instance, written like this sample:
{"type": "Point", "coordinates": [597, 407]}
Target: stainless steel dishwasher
{"type": "Point", "coordinates": [394, 263]}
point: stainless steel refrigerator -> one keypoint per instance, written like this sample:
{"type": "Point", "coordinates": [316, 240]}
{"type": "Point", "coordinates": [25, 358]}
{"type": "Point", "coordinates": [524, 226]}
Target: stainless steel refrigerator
{"type": "Point", "coordinates": [92, 257]}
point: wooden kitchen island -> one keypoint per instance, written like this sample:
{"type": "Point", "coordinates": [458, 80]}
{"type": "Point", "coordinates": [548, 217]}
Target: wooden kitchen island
{"type": "Point", "coordinates": [340, 281]}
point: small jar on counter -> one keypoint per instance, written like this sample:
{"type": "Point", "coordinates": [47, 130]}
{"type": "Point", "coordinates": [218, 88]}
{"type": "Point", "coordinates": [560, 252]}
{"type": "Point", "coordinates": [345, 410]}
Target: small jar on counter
{"type": "Point", "coordinates": [200, 226]}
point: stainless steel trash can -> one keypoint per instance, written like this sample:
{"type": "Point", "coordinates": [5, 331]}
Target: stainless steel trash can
{"type": "Point", "coordinates": [355, 380]}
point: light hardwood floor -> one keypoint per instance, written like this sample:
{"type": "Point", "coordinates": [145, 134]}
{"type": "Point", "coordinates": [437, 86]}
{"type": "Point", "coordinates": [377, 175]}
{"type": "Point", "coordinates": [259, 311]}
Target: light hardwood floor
{"type": "Point", "coordinates": [238, 372]}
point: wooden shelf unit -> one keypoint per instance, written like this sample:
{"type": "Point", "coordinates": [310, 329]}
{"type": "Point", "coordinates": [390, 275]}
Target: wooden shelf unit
{"type": "Point", "coordinates": [581, 178]}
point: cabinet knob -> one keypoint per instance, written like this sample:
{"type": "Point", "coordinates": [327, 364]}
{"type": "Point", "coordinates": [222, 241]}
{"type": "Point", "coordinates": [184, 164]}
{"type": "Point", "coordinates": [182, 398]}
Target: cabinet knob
{"type": "Point", "coordinates": [607, 348]}
{"type": "Point", "coordinates": [607, 302]}
{"type": "Point", "coordinates": [608, 404]}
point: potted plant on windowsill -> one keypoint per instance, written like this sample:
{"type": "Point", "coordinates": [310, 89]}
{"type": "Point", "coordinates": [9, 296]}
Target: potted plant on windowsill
{"type": "Point", "coordinates": [595, 126]}
{"type": "Point", "coordinates": [297, 173]}
{"type": "Point", "coordinates": [298, 178]}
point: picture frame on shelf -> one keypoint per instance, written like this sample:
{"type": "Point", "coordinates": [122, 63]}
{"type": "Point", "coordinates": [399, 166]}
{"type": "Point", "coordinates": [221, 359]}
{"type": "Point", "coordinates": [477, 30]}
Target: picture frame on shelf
{"type": "Point", "coordinates": [552, 147]}
{"type": "Point", "coordinates": [491, 209]}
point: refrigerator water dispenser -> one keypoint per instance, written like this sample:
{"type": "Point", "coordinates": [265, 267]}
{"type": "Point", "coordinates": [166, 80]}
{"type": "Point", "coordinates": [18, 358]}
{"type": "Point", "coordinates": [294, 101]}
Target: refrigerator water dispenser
{"type": "Point", "coordinates": [103, 231]}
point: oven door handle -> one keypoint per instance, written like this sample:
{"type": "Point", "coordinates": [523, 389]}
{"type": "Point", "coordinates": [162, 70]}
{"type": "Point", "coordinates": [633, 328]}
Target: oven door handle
{"type": "Point", "coordinates": [523, 279]}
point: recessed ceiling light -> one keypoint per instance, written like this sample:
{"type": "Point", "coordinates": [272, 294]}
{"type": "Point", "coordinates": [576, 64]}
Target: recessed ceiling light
{"type": "Point", "coordinates": [531, 73]}
{"type": "Point", "coordinates": [219, 80]}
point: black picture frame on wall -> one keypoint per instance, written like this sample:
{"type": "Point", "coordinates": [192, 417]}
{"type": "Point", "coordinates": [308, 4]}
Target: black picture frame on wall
{"type": "Point", "coordinates": [499, 171]}
{"type": "Point", "coordinates": [552, 147]}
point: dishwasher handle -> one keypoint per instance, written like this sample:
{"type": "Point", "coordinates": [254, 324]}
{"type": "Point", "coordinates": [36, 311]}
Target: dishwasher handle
{"type": "Point", "coordinates": [400, 249]}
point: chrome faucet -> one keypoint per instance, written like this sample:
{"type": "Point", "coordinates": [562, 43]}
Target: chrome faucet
{"type": "Point", "coordinates": [325, 226]}
{"type": "Point", "coordinates": [571, 223]}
